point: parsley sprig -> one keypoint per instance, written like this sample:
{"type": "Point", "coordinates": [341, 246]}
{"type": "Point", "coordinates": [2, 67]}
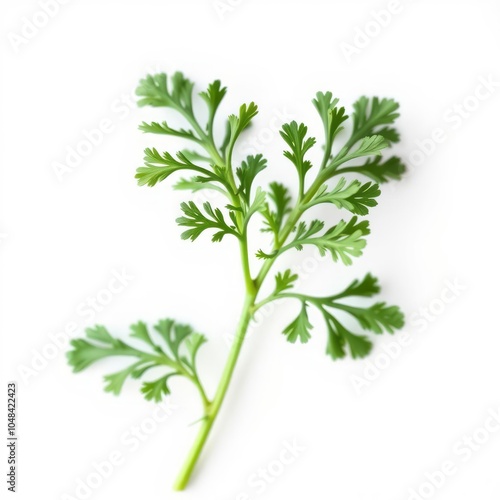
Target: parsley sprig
{"type": "Point", "coordinates": [347, 179]}
{"type": "Point", "coordinates": [177, 356]}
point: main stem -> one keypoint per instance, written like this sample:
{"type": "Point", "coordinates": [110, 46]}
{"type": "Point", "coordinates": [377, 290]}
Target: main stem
{"type": "Point", "coordinates": [252, 289]}
{"type": "Point", "coordinates": [214, 407]}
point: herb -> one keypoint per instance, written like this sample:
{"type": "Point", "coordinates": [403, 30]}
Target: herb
{"type": "Point", "coordinates": [211, 166]}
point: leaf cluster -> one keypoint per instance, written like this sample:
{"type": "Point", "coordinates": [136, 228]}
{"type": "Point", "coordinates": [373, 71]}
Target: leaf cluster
{"type": "Point", "coordinates": [173, 348]}
{"type": "Point", "coordinates": [348, 178]}
{"type": "Point", "coordinates": [376, 318]}
{"type": "Point", "coordinates": [360, 154]}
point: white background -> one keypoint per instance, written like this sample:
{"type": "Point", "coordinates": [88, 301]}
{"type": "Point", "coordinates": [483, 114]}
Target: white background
{"type": "Point", "coordinates": [61, 240]}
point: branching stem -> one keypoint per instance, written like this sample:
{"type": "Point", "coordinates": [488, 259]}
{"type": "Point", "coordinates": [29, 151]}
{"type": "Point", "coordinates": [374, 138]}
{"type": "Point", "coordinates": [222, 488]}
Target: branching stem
{"type": "Point", "coordinates": [249, 307]}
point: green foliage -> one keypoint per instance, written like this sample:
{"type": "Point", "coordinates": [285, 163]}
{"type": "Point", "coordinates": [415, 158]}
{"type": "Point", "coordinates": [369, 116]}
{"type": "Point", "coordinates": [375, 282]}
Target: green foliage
{"type": "Point", "coordinates": [281, 213]}
{"type": "Point", "coordinates": [165, 129]}
{"type": "Point", "coordinates": [343, 241]}
{"type": "Point", "coordinates": [300, 327]}
{"type": "Point", "coordinates": [340, 338]}
{"type": "Point", "coordinates": [355, 197]}
{"type": "Point", "coordinates": [274, 215]}
{"type": "Point", "coordinates": [332, 118]}
{"type": "Point", "coordinates": [238, 123]}
{"type": "Point", "coordinates": [367, 287]}
{"type": "Point", "coordinates": [284, 281]}
{"type": "Point", "coordinates": [208, 164]}
{"type": "Point", "coordinates": [295, 136]}
{"type": "Point", "coordinates": [378, 170]}
{"type": "Point", "coordinates": [246, 174]}
{"type": "Point", "coordinates": [370, 115]}
{"type": "Point", "coordinates": [213, 97]}
{"type": "Point", "coordinates": [158, 166]}
{"type": "Point", "coordinates": [154, 90]}
{"type": "Point", "coordinates": [177, 355]}
{"type": "Point", "coordinates": [368, 146]}
{"type": "Point", "coordinates": [199, 222]}
{"type": "Point", "coordinates": [376, 318]}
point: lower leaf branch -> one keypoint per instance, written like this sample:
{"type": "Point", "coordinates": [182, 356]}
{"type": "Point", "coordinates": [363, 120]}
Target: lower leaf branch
{"type": "Point", "coordinates": [202, 392]}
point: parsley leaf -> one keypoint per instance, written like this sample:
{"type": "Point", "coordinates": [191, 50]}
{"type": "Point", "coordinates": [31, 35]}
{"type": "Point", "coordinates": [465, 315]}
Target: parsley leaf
{"type": "Point", "coordinates": [247, 172]}
{"type": "Point", "coordinates": [156, 389]}
{"type": "Point", "coordinates": [284, 281]}
{"type": "Point", "coordinates": [237, 124]}
{"type": "Point", "coordinates": [378, 170]}
{"type": "Point", "coordinates": [342, 241]}
{"type": "Point", "coordinates": [332, 118]}
{"type": "Point", "coordinates": [367, 287]}
{"type": "Point", "coordinates": [369, 115]}
{"type": "Point", "coordinates": [213, 97]}
{"type": "Point", "coordinates": [178, 338]}
{"type": "Point", "coordinates": [164, 128]}
{"type": "Point", "coordinates": [295, 136]}
{"type": "Point", "coordinates": [369, 146]}
{"type": "Point", "coordinates": [339, 337]}
{"type": "Point", "coordinates": [199, 222]}
{"type": "Point", "coordinates": [274, 217]}
{"type": "Point", "coordinates": [299, 328]}
{"type": "Point", "coordinates": [377, 318]}
{"type": "Point", "coordinates": [154, 91]}
{"type": "Point", "coordinates": [158, 166]}
{"type": "Point", "coordinates": [355, 197]}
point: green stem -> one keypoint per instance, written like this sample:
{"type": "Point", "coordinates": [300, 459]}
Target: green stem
{"type": "Point", "coordinates": [292, 220]}
{"type": "Point", "coordinates": [214, 407]}
{"type": "Point", "coordinates": [301, 188]}
{"type": "Point", "coordinates": [252, 290]}
{"type": "Point", "coordinates": [203, 394]}
{"type": "Point", "coordinates": [245, 260]}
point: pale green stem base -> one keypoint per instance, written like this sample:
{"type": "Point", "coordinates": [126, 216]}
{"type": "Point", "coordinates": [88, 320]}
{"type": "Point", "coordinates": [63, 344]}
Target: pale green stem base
{"type": "Point", "coordinates": [214, 407]}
